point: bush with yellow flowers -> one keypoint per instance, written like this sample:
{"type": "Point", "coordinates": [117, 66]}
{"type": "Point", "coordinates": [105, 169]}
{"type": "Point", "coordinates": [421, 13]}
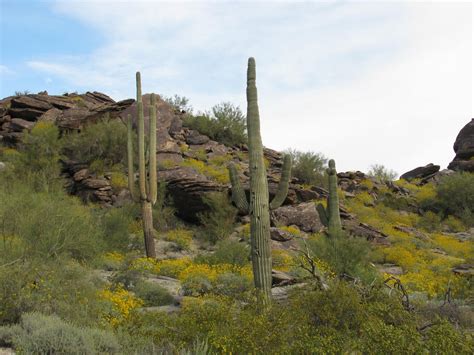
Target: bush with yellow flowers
{"type": "Point", "coordinates": [120, 305]}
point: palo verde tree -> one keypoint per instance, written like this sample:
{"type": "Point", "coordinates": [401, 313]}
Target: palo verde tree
{"type": "Point", "coordinates": [147, 189]}
{"type": "Point", "coordinates": [259, 206]}
{"type": "Point", "coordinates": [329, 216]}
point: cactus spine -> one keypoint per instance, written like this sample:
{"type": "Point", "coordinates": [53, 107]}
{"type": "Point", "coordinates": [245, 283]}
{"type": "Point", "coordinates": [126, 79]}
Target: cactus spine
{"type": "Point", "coordinates": [330, 216]}
{"type": "Point", "coordinates": [147, 189]}
{"type": "Point", "coordinates": [259, 207]}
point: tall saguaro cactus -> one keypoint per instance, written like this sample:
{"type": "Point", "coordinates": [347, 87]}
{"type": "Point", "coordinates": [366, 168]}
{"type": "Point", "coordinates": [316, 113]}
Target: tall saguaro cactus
{"type": "Point", "coordinates": [147, 189]}
{"type": "Point", "coordinates": [259, 206]}
{"type": "Point", "coordinates": [330, 216]}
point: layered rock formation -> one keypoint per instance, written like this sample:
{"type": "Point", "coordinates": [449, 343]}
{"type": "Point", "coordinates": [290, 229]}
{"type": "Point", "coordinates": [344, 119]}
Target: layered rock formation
{"type": "Point", "coordinates": [464, 149]}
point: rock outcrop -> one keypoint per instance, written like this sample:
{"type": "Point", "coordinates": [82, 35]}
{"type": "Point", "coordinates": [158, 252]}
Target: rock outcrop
{"type": "Point", "coordinates": [422, 172]}
{"type": "Point", "coordinates": [464, 149]}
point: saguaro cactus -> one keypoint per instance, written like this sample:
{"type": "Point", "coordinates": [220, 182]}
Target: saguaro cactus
{"type": "Point", "coordinates": [259, 207]}
{"type": "Point", "coordinates": [330, 216]}
{"type": "Point", "coordinates": [147, 189]}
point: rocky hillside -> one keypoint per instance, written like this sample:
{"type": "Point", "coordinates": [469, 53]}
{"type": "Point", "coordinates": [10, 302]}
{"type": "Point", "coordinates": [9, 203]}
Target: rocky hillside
{"type": "Point", "coordinates": [419, 250]}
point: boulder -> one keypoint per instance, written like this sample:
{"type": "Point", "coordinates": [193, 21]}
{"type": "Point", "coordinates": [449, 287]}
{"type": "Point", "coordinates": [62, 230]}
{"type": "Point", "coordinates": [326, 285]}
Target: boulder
{"type": "Point", "coordinates": [30, 102]}
{"type": "Point", "coordinates": [188, 188]}
{"type": "Point", "coordinates": [420, 172]}
{"type": "Point", "coordinates": [280, 235]}
{"type": "Point", "coordinates": [280, 278]}
{"type": "Point", "coordinates": [195, 138]}
{"type": "Point", "coordinates": [18, 125]}
{"type": "Point", "coordinates": [29, 114]}
{"type": "Point", "coordinates": [303, 215]}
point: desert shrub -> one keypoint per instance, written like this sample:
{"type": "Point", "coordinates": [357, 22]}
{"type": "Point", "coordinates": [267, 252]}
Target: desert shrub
{"type": "Point", "coordinates": [36, 162]}
{"type": "Point", "coordinates": [309, 167]}
{"type": "Point", "coordinates": [442, 338]}
{"type": "Point", "coordinates": [180, 103]}
{"type": "Point", "coordinates": [60, 286]}
{"type": "Point", "coordinates": [101, 145]}
{"type": "Point", "coordinates": [232, 285]}
{"type": "Point", "coordinates": [181, 237]}
{"type": "Point", "coordinates": [455, 195]}
{"type": "Point", "coordinates": [216, 173]}
{"type": "Point", "coordinates": [115, 224]}
{"type": "Point", "coordinates": [227, 252]}
{"type": "Point", "coordinates": [429, 221]}
{"type": "Point", "coordinates": [172, 267]}
{"type": "Point", "coordinates": [152, 294]}
{"type": "Point", "coordinates": [47, 225]}
{"type": "Point", "coordinates": [119, 305]}
{"type": "Point", "coordinates": [164, 217]}
{"type": "Point", "coordinates": [225, 124]}
{"type": "Point", "coordinates": [345, 255]}
{"type": "Point", "coordinates": [381, 173]}
{"type": "Point", "coordinates": [48, 334]}
{"type": "Point", "coordinates": [219, 220]}
{"type": "Point", "coordinates": [454, 224]}
{"type": "Point", "coordinates": [196, 286]}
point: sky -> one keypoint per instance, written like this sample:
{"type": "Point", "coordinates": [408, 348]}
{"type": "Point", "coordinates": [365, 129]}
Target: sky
{"type": "Point", "coordinates": [361, 82]}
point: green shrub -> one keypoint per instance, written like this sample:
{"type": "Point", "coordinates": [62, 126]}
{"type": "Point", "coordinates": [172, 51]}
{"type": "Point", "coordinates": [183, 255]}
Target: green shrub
{"type": "Point", "coordinates": [455, 195]}
{"type": "Point", "coordinates": [196, 286]}
{"type": "Point", "coordinates": [180, 103]}
{"type": "Point", "coordinates": [225, 124]}
{"type": "Point", "coordinates": [181, 237]}
{"type": "Point", "coordinates": [47, 225]}
{"type": "Point", "coordinates": [218, 222]}
{"type": "Point", "coordinates": [42, 334]}
{"type": "Point", "coordinates": [227, 252]}
{"type": "Point", "coordinates": [345, 255]}
{"type": "Point", "coordinates": [36, 163]}
{"type": "Point", "coordinates": [231, 284]}
{"type": "Point", "coordinates": [309, 167]}
{"type": "Point", "coordinates": [381, 173]}
{"type": "Point", "coordinates": [58, 286]}
{"type": "Point", "coordinates": [101, 145]}
{"type": "Point", "coordinates": [442, 338]}
{"type": "Point", "coordinates": [153, 294]}
{"type": "Point", "coordinates": [429, 221]}
{"type": "Point", "coordinates": [115, 223]}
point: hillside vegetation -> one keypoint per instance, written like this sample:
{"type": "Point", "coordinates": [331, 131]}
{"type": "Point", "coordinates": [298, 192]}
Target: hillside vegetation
{"type": "Point", "coordinates": [74, 277]}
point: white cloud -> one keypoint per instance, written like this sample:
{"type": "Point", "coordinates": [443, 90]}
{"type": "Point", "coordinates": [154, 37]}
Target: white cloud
{"type": "Point", "coordinates": [4, 70]}
{"type": "Point", "coordinates": [362, 82]}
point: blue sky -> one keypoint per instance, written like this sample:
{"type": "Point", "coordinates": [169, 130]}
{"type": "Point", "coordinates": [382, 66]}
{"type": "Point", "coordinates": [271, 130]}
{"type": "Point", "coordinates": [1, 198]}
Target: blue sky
{"type": "Point", "coordinates": [362, 82]}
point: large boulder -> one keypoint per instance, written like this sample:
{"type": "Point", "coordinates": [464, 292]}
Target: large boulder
{"type": "Point", "coordinates": [303, 215]}
{"type": "Point", "coordinates": [421, 172]}
{"type": "Point", "coordinates": [464, 149]}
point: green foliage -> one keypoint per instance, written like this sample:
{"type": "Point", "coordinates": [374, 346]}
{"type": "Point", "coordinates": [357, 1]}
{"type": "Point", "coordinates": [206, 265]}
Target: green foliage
{"type": "Point", "coordinates": [37, 224]}
{"type": "Point", "coordinates": [196, 286]}
{"type": "Point", "coordinates": [37, 161]}
{"type": "Point", "coordinates": [225, 124]}
{"type": "Point", "coordinates": [219, 220]}
{"type": "Point", "coordinates": [455, 195]}
{"type": "Point", "coordinates": [227, 251]}
{"type": "Point", "coordinates": [152, 294]}
{"type": "Point", "coordinates": [381, 173]}
{"type": "Point", "coordinates": [181, 237]}
{"type": "Point", "coordinates": [429, 221]}
{"type": "Point", "coordinates": [41, 334]}
{"type": "Point", "coordinates": [345, 255]}
{"type": "Point", "coordinates": [115, 223]}
{"type": "Point", "coordinates": [101, 145]}
{"type": "Point", "coordinates": [442, 338]}
{"type": "Point", "coordinates": [49, 286]}
{"type": "Point", "coordinates": [180, 103]}
{"type": "Point", "coordinates": [309, 167]}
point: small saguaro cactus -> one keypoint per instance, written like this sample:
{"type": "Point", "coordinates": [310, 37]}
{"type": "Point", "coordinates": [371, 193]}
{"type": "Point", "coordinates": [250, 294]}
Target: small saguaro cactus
{"type": "Point", "coordinates": [330, 216]}
{"type": "Point", "coordinates": [259, 206]}
{"type": "Point", "coordinates": [147, 189]}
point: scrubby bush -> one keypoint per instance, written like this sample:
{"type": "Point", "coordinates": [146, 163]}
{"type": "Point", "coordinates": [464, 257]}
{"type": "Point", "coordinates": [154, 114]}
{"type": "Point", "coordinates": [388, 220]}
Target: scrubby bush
{"type": "Point", "coordinates": [100, 145]}
{"type": "Point", "coordinates": [49, 286]}
{"type": "Point", "coordinates": [47, 225]}
{"type": "Point", "coordinates": [227, 252]}
{"type": "Point", "coordinates": [43, 334]}
{"type": "Point", "coordinates": [182, 238]}
{"type": "Point", "coordinates": [152, 294]}
{"type": "Point", "coordinates": [381, 173]}
{"type": "Point", "coordinates": [456, 196]}
{"type": "Point", "coordinates": [429, 221]}
{"type": "Point", "coordinates": [115, 223]}
{"type": "Point", "coordinates": [309, 167]}
{"type": "Point", "coordinates": [219, 220]}
{"type": "Point", "coordinates": [225, 124]}
{"type": "Point", "coordinates": [36, 162]}
{"type": "Point", "coordinates": [180, 103]}
{"type": "Point", "coordinates": [345, 255]}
